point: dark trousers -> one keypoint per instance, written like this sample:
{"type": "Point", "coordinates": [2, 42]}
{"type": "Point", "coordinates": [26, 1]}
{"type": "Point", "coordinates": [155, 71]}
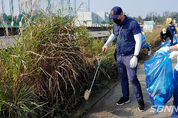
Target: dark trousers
{"type": "Point", "coordinates": [128, 74]}
{"type": "Point", "coordinates": [171, 38]}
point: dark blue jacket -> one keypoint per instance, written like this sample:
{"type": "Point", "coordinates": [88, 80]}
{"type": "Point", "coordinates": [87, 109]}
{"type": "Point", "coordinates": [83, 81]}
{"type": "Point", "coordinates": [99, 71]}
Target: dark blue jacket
{"type": "Point", "coordinates": [125, 41]}
{"type": "Point", "coordinates": [172, 30]}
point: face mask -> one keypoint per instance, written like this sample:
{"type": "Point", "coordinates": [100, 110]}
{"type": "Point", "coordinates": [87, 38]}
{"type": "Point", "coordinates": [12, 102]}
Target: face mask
{"type": "Point", "coordinates": [117, 21]}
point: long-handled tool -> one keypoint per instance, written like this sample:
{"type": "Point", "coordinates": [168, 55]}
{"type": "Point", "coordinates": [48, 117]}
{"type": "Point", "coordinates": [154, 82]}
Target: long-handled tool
{"type": "Point", "coordinates": [87, 92]}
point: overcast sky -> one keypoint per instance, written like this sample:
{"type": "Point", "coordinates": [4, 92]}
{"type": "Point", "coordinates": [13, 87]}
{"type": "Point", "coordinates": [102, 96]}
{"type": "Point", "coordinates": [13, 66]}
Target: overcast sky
{"type": "Point", "coordinates": [131, 7]}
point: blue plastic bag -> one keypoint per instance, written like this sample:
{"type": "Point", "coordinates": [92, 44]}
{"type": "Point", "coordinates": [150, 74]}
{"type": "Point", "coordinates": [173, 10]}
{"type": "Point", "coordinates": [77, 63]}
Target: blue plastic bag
{"type": "Point", "coordinates": [174, 39]}
{"type": "Point", "coordinates": [159, 79]}
{"type": "Point", "coordinates": [167, 43]}
{"type": "Point", "coordinates": [144, 42]}
{"type": "Point", "coordinates": [175, 101]}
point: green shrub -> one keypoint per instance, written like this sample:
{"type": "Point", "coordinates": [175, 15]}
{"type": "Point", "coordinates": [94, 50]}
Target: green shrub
{"type": "Point", "coordinates": [52, 59]}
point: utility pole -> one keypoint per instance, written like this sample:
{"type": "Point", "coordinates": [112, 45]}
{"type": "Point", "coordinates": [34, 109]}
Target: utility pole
{"type": "Point", "coordinates": [30, 3]}
{"type": "Point", "coordinates": [11, 11]}
{"type": "Point", "coordinates": [49, 6]}
{"type": "Point", "coordinates": [88, 5]}
{"type": "Point", "coordinates": [2, 4]}
{"type": "Point", "coordinates": [30, 6]}
{"type": "Point", "coordinates": [19, 7]}
{"type": "Point", "coordinates": [68, 5]}
{"type": "Point", "coordinates": [69, 8]}
{"type": "Point", "coordinates": [62, 6]}
{"type": "Point", "coordinates": [11, 7]}
{"type": "Point", "coordinates": [75, 7]}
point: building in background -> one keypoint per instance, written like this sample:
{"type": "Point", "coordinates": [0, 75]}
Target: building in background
{"type": "Point", "coordinates": [91, 18]}
{"type": "Point", "coordinates": [101, 18]}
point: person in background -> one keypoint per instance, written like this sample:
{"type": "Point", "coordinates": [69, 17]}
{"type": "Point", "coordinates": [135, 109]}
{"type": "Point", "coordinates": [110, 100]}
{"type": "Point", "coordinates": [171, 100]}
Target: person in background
{"type": "Point", "coordinates": [144, 43]}
{"type": "Point", "coordinates": [164, 35]}
{"type": "Point", "coordinates": [128, 34]}
{"type": "Point", "coordinates": [174, 54]}
{"type": "Point", "coordinates": [171, 28]}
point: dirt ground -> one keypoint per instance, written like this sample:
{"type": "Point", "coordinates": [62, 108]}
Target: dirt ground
{"type": "Point", "coordinates": [107, 108]}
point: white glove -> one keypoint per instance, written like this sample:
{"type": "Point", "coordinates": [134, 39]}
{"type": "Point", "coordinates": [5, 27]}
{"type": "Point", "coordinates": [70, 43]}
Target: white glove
{"type": "Point", "coordinates": [173, 54]}
{"type": "Point", "coordinates": [165, 49]}
{"type": "Point", "coordinates": [104, 49]}
{"type": "Point", "coordinates": [133, 62]}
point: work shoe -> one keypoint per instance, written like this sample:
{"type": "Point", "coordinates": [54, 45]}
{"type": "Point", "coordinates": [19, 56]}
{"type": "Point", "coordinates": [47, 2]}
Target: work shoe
{"type": "Point", "coordinates": [122, 101]}
{"type": "Point", "coordinates": [141, 105]}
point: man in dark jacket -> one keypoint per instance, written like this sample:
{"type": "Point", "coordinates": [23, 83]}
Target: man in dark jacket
{"type": "Point", "coordinates": [128, 34]}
